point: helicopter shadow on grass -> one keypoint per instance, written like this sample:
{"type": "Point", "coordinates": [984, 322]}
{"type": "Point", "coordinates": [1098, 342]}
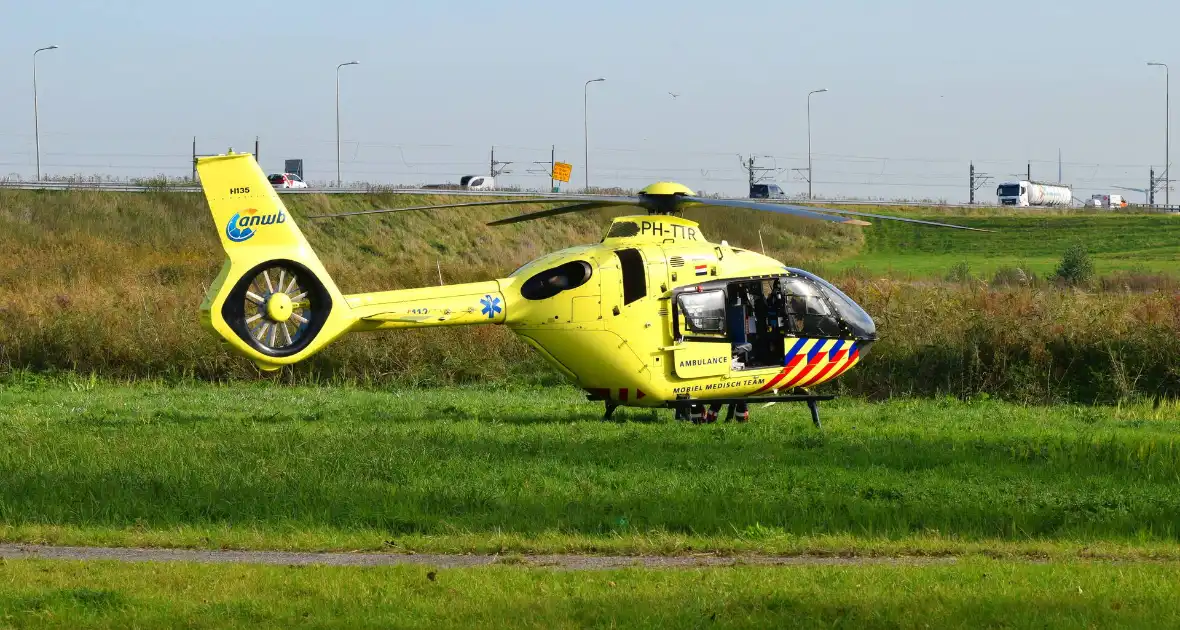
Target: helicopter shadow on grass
{"type": "Point", "coordinates": [564, 416]}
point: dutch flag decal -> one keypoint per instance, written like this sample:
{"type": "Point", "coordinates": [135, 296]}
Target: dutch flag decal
{"type": "Point", "coordinates": [702, 269]}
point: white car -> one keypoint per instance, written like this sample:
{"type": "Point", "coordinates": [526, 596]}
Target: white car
{"type": "Point", "coordinates": [286, 180]}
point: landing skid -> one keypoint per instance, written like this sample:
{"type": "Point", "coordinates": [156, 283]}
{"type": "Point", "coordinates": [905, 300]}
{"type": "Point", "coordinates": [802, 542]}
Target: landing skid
{"type": "Point", "coordinates": [684, 406]}
{"type": "Point", "coordinates": [694, 408]}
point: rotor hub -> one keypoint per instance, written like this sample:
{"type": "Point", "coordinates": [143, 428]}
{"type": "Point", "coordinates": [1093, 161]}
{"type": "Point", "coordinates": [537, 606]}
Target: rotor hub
{"type": "Point", "coordinates": [664, 197]}
{"type": "Point", "coordinates": [279, 307]}
{"type": "Point", "coordinates": [660, 189]}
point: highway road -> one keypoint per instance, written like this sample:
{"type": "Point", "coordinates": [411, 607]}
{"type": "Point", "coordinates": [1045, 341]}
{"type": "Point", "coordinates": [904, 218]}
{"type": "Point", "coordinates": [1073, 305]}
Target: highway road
{"type": "Point", "coordinates": [138, 188]}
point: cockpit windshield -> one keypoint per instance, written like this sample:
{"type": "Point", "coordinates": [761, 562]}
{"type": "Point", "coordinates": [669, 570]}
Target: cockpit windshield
{"type": "Point", "coordinates": [1008, 190]}
{"type": "Point", "coordinates": [853, 316]}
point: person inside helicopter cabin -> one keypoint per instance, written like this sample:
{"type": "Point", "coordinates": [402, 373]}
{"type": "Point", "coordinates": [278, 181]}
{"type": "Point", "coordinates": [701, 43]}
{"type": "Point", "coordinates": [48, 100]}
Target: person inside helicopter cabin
{"type": "Point", "coordinates": [735, 315]}
{"type": "Point", "coordinates": [777, 306]}
{"type": "Point", "coordinates": [795, 312]}
{"type": "Point", "coordinates": [750, 323]}
{"type": "Point", "coordinates": [760, 322]}
{"type": "Point", "coordinates": [774, 321]}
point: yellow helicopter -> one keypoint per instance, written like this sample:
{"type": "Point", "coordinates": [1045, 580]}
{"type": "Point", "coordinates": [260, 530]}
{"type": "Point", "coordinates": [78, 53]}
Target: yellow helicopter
{"type": "Point", "coordinates": [653, 315]}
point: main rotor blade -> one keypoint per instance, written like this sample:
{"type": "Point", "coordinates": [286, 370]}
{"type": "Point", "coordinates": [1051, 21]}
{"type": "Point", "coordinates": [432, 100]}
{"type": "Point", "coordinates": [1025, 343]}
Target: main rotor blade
{"type": "Point", "coordinates": [904, 220]}
{"type": "Point", "coordinates": [591, 205]}
{"type": "Point", "coordinates": [799, 211]}
{"type": "Point", "coordinates": [823, 213]}
{"type": "Point", "coordinates": [445, 205]}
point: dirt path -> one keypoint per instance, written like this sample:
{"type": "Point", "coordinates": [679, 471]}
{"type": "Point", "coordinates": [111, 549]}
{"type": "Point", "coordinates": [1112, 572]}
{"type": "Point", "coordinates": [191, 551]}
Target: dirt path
{"type": "Point", "coordinates": [18, 551]}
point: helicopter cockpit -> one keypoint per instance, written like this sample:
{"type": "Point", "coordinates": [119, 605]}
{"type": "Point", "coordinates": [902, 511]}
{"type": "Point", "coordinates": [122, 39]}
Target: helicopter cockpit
{"type": "Point", "coordinates": [757, 315]}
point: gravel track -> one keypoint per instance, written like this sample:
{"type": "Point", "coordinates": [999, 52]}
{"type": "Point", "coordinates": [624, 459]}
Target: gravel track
{"type": "Point", "coordinates": [445, 561]}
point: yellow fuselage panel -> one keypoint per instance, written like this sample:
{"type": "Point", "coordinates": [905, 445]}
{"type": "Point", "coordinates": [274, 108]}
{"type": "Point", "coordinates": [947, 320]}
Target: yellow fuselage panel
{"type": "Point", "coordinates": [597, 358]}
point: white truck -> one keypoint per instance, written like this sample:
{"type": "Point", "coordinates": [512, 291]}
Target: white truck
{"type": "Point", "coordinates": [1025, 193]}
{"type": "Point", "coordinates": [1107, 201]}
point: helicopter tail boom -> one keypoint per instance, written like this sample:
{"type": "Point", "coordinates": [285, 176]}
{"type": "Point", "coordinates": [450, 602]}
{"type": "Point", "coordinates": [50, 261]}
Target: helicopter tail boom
{"type": "Point", "coordinates": [449, 305]}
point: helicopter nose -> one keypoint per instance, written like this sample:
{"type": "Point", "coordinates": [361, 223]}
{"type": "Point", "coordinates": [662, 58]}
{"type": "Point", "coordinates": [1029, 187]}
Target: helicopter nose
{"type": "Point", "coordinates": [863, 346]}
{"type": "Point", "coordinates": [866, 329]}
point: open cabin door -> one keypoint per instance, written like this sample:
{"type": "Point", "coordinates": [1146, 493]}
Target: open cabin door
{"type": "Point", "coordinates": [699, 325]}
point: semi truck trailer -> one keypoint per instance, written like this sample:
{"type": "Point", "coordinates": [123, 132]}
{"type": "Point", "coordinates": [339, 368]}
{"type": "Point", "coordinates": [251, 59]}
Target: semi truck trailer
{"type": "Point", "coordinates": [1026, 193]}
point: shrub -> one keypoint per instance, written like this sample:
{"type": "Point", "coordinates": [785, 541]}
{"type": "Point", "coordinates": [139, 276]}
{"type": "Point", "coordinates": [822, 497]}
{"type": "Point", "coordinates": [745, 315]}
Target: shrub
{"type": "Point", "coordinates": [1013, 276]}
{"type": "Point", "coordinates": [1075, 268]}
{"type": "Point", "coordinates": [1139, 281]}
{"type": "Point", "coordinates": [960, 272]}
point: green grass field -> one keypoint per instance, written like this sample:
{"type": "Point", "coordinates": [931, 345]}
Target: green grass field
{"type": "Point", "coordinates": [1116, 241]}
{"type": "Point", "coordinates": [970, 594]}
{"type": "Point", "coordinates": [535, 470]}
{"type": "Point", "coordinates": [982, 513]}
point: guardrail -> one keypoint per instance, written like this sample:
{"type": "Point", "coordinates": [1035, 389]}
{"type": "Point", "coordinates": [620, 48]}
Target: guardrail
{"type": "Point", "coordinates": [142, 188]}
{"type": "Point", "coordinates": [126, 187]}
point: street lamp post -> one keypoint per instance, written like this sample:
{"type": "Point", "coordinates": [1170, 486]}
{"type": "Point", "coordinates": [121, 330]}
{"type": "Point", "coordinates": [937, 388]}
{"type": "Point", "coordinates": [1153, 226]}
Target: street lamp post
{"type": "Point", "coordinates": [339, 180]}
{"type": "Point", "coordinates": [36, 116]}
{"type": "Point", "coordinates": [1167, 131]}
{"type": "Point", "coordinates": [586, 127]}
{"type": "Point", "coordinates": [809, 171]}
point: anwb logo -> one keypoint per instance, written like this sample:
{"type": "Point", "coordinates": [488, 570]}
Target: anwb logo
{"type": "Point", "coordinates": [241, 226]}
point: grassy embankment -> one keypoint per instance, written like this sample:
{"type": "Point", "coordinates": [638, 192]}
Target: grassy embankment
{"type": "Point", "coordinates": [110, 284]}
{"type": "Point", "coordinates": [1034, 240]}
{"type": "Point", "coordinates": [972, 594]}
{"type": "Point", "coordinates": [535, 470]}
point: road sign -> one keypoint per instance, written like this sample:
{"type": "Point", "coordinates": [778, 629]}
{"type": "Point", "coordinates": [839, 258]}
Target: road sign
{"type": "Point", "coordinates": [294, 166]}
{"type": "Point", "coordinates": [561, 171]}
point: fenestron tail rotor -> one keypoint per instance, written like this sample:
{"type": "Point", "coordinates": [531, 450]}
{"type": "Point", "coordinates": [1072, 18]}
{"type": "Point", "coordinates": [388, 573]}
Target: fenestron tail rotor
{"type": "Point", "coordinates": [659, 198]}
{"type": "Point", "coordinates": [278, 307]}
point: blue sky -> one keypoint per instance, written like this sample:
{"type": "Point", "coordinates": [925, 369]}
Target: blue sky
{"type": "Point", "coordinates": [917, 89]}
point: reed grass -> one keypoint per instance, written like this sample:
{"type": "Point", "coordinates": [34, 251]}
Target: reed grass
{"type": "Point", "coordinates": [109, 283]}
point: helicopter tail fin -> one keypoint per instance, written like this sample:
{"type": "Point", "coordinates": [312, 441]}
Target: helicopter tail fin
{"type": "Point", "coordinates": [273, 300]}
